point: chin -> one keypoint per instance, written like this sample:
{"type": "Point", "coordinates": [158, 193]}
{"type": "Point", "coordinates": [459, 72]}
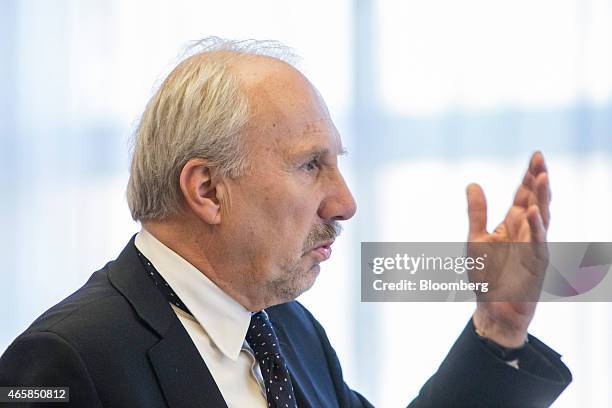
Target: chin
{"type": "Point", "coordinates": [310, 277]}
{"type": "Point", "coordinates": [301, 284]}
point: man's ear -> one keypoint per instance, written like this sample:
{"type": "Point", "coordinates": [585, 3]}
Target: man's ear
{"type": "Point", "coordinates": [200, 191]}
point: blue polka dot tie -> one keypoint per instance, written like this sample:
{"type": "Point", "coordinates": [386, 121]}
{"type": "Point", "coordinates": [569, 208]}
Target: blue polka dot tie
{"type": "Point", "coordinates": [262, 339]}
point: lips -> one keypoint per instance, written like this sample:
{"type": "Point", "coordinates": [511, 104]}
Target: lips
{"type": "Point", "coordinates": [323, 252]}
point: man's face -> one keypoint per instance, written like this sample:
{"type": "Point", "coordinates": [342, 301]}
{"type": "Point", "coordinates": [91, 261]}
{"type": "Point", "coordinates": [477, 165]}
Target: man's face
{"type": "Point", "coordinates": [283, 214]}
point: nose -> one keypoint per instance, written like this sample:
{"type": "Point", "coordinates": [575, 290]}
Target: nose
{"type": "Point", "coordinates": [339, 203]}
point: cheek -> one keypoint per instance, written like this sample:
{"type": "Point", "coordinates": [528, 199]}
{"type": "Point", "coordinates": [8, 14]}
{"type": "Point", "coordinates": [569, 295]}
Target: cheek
{"type": "Point", "coordinates": [280, 214]}
{"type": "Point", "coordinates": [293, 218]}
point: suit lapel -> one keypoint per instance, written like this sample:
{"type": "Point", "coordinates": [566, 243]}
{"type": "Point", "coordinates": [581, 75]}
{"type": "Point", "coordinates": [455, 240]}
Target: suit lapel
{"type": "Point", "coordinates": [182, 374]}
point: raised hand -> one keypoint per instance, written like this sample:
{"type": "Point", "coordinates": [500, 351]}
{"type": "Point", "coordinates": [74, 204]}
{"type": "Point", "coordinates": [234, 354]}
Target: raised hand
{"type": "Point", "coordinates": [517, 256]}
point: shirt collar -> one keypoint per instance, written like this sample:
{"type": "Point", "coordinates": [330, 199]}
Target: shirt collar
{"type": "Point", "coordinates": [224, 319]}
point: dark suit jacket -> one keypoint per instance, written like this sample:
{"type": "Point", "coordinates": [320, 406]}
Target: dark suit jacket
{"type": "Point", "coordinates": [116, 342]}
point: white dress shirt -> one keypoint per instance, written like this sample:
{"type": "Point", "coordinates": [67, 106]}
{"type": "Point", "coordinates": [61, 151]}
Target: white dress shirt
{"type": "Point", "coordinates": [218, 326]}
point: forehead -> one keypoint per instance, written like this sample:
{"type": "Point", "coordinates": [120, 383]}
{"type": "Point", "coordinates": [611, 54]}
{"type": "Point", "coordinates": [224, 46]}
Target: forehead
{"type": "Point", "coordinates": [287, 113]}
{"type": "Point", "coordinates": [319, 137]}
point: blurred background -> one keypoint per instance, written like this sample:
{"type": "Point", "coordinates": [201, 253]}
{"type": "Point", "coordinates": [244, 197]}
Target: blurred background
{"type": "Point", "coordinates": [428, 95]}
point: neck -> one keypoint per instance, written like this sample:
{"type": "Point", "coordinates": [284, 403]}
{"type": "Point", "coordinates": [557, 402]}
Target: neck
{"type": "Point", "coordinates": [203, 252]}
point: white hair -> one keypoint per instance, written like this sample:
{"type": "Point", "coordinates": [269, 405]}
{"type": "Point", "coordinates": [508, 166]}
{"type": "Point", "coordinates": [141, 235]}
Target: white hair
{"type": "Point", "coordinates": [199, 111]}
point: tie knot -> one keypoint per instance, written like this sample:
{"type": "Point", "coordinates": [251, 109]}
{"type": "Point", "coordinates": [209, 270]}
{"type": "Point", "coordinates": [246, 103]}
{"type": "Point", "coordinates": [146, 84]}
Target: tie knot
{"type": "Point", "coordinates": [262, 338]}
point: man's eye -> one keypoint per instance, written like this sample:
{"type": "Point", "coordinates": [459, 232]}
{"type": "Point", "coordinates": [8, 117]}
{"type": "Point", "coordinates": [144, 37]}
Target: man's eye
{"type": "Point", "coordinates": [311, 165]}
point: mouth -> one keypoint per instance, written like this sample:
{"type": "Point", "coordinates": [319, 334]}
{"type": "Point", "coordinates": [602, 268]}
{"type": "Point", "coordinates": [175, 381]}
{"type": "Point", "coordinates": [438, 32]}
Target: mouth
{"type": "Point", "coordinates": [323, 251]}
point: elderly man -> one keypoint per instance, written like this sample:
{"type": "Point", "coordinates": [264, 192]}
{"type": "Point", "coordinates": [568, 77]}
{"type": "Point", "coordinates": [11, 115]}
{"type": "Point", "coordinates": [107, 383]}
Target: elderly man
{"type": "Point", "coordinates": [235, 181]}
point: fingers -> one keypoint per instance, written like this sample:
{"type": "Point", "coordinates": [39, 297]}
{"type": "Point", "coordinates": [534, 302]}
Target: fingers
{"type": "Point", "coordinates": [523, 196]}
{"type": "Point", "coordinates": [524, 192]}
{"type": "Point", "coordinates": [537, 164]}
{"type": "Point", "coordinates": [535, 188]}
{"type": "Point", "coordinates": [536, 224]}
{"type": "Point", "coordinates": [542, 188]}
{"type": "Point", "coordinates": [477, 210]}
{"type": "Point", "coordinates": [538, 234]}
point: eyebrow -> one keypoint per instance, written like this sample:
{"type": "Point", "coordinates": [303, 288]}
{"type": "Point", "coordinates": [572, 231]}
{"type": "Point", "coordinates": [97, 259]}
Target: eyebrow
{"type": "Point", "coordinates": [297, 158]}
{"type": "Point", "coordinates": [321, 152]}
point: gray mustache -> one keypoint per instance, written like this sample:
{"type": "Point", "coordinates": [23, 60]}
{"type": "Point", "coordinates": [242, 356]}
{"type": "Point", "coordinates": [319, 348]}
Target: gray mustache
{"type": "Point", "coordinates": [321, 233]}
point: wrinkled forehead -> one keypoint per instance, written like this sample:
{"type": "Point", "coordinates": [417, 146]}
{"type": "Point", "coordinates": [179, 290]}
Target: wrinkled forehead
{"type": "Point", "coordinates": [285, 106]}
